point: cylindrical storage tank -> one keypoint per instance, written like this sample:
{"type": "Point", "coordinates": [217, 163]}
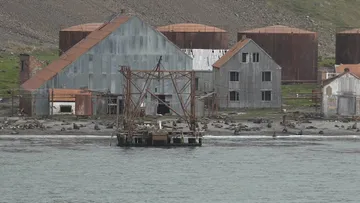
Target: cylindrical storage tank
{"type": "Point", "coordinates": [70, 36]}
{"type": "Point", "coordinates": [348, 47]}
{"type": "Point", "coordinates": [295, 50]}
{"type": "Point", "coordinates": [196, 36]}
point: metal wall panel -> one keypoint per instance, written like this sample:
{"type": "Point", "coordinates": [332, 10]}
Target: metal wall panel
{"type": "Point", "coordinates": [347, 48]}
{"type": "Point", "coordinates": [83, 105]}
{"type": "Point", "coordinates": [296, 53]}
{"type": "Point", "coordinates": [250, 82]}
{"type": "Point", "coordinates": [133, 44]}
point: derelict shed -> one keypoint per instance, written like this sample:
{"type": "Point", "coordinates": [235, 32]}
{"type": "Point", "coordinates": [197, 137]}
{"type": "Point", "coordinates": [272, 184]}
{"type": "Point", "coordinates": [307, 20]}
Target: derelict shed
{"type": "Point", "coordinates": [247, 77]}
{"type": "Point", "coordinates": [94, 63]}
{"type": "Point", "coordinates": [348, 47]}
{"type": "Point", "coordinates": [340, 95]}
{"type": "Point", "coordinates": [295, 50]}
{"type": "Point", "coordinates": [68, 37]}
{"type": "Point", "coordinates": [196, 36]}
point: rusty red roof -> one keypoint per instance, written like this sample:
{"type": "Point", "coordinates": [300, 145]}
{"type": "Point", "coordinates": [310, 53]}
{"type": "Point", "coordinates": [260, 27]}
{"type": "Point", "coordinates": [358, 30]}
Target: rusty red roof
{"type": "Point", "coordinates": [73, 54]}
{"type": "Point", "coordinates": [227, 56]}
{"type": "Point", "coordinates": [88, 27]}
{"type": "Point", "coordinates": [66, 95]}
{"type": "Point", "coordinates": [189, 27]}
{"type": "Point", "coordinates": [353, 68]}
{"type": "Point", "coordinates": [352, 31]}
{"type": "Point", "coordinates": [278, 29]}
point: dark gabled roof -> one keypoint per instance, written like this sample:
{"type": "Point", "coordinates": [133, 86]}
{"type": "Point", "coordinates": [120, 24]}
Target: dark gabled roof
{"type": "Point", "coordinates": [229, 54]}
{"type": "Point", "coordinates": [73, 53]}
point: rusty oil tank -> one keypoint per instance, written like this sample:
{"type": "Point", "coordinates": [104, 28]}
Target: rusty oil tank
{"type": "Point", "coordinates": [348, 47]}
{"type": "Point", "coordinates": [295, 50]}
{"type": "Point", "coordinates": [196, 36]}
{"type": "Point", "coordinates": [70, 36]}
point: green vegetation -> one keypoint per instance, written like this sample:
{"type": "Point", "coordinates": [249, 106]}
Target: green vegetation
{"type": "Point", "coordinates": [9, 68]}
{"type": "Point", "coordinates": [332, 13]}
{"type": "Point", "coordinates": [304, 91]}
{"type": "Point", "coordinates": [326, 62]}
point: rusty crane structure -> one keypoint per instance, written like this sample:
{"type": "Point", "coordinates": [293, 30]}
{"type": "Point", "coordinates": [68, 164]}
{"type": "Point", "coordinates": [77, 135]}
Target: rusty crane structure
{"type": "Point", "coordinates": [135, 94]}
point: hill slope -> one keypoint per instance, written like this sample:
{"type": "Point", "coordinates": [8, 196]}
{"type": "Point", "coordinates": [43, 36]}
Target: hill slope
{"type": "Point", "coordinates": [37, 23]}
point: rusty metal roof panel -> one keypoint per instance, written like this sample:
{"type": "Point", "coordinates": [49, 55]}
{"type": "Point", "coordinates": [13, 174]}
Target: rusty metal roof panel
{"type": "Point", "coordinates": [189, 27]}
{"type": "Point", "coordinates": [33, 84]}
{"type": "Point", "coordinates": [88, 27]}
{"type": "Point", "coordinates": [74, 53]}
{"type": "Point", "coordinates": [66, 95]}
{"type": "Point", "coordinates": [353, 68]}
{"type": "Point", "coordinates": [352, 31]}
{"type": "Point", "coordinates": [278, 29]}
{"type": "Point", "coordinates": [229, 54]}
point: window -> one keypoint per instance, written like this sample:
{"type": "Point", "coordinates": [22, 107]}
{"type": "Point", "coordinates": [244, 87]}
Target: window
{"type": "Point", "coordinates": [234, 96]}
{"type": "Point", "coordinates": [196, 83]}
{"type": "Point", "coordinates": [245, 57]}
{"type": "Point", "coordinates": [266, 76]}
{"type": "Point", "coordinates": [234, 76]}
{"type": "Point", "coordinates": [65, 109]}
{"type": "Point", "coordinates": [255, 57]}
{"type": "Point", "coordinates": [22, 65]}
{"type": "Point", "coordinates": [266, 95]}
{"type": "Point", "coordinates": [90, 57]}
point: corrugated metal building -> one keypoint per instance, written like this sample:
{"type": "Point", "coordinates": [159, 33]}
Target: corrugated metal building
{"type": "Point", "coordinates": [196, 36]}
{"type": "Point", "coordinates": [348, 47]}
{"type": "Point", "coordinates": [341, 95]}
{"type": "Point", "coordinates": [202, 64]}
{"type": "Point", "coordinates": [295, 50]}
{"type": "Point", "coordinates": [94, 63]}
{"type": "Point", "coordinates": [247, 77]}
{"type": "Point", "coordinates": [68, 37]}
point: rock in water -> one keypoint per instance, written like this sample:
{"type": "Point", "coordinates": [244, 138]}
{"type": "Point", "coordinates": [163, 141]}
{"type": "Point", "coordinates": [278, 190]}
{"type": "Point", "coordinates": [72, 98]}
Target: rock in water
{"type": "Point", "coordinates": [76, 127]}
{"type": "Point", "coordinates": [96, 127]}
{"type": "Point", "coordinates": [354, 126]}
{"type": "Point", "coordinates": [63, 129]}
{"type": "Point", "coordinates": [321, 132]}
{"type": "Point", "coordinates": [269, 125]}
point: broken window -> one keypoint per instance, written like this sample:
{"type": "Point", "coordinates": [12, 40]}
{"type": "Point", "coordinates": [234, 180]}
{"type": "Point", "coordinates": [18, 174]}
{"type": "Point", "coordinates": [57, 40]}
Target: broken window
{"type": "Point", "coordinates": [234, 76]}
{"type": "Point", "coordinates": [266, 76]}
{"type": "Point", "coordinates": [256, 57]}
{"type": "Point", "coordinates": [245, 57]}
{"type": "Point", "coordinates": [234, 96]}
{"type": "Point", "coordinates": [266, 95]}
{"type": "Point", "coordinates": [196, 83]}
{"type": "Point", "coordinates": [65, 108]}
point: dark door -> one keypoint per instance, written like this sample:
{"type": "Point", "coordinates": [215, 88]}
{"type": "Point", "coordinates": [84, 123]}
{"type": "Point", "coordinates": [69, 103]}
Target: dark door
{"type": "Point", "coordinates": [162, 108]}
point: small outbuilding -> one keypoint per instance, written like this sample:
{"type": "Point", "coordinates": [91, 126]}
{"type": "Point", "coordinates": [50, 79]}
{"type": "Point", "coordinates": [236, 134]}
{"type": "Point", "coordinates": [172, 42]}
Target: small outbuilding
{"type": "Point", "coordinates": [247, 77]}
{"type": "Point", "coordinates": [340, 95]}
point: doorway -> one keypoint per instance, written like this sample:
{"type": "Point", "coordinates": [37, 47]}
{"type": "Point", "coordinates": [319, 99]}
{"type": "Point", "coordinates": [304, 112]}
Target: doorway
{"type": "Point", "coordinates": [347, 106]}
{"type": "Point", "coordinates": [162, 108]}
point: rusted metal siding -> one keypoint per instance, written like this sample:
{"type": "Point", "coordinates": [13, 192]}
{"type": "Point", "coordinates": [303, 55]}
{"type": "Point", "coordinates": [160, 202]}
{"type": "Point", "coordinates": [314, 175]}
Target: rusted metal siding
{"type": "Point", "coordinates": [68, 39]}
{"type": "Point", "coordinates": [347, 48]}
{"type": "Point", "coordinates": [83, 105]}
{"type": "Point", "coordinates": [199, 40]}
{"type": "Point", "coordinates": [296, 53]}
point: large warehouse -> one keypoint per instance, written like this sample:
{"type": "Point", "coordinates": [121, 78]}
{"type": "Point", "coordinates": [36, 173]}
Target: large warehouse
{"type": "Point", "coordinates": [94, 63]}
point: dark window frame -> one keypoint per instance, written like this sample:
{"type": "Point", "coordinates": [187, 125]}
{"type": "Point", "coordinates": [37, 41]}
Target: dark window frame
{"type": "Point", "coordinates": [234, 96]}
{"type": "Point", "coordinates": [266, 76]}
{"type": "Point", "coordinates": [234, 76]}
{"type": "Point", "coordinates": [22, 65]}
{"type": "Point", "coordinates": [196, 83]}
{"type": "Point", "coordinates": [245, 57]}
{"type": "Point", "coordinates": [266, 95]}
{"type": "Point", "coordinates": [256, 57]}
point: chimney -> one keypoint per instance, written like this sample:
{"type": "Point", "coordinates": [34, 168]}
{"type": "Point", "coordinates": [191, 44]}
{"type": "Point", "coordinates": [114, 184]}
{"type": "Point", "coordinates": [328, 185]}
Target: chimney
{"type": "Point", "coordinates": [122, 11]}
{"type": "Point", "coordinates": [24, 70]}
{"type": "Point", "coordinates": [346, 70]}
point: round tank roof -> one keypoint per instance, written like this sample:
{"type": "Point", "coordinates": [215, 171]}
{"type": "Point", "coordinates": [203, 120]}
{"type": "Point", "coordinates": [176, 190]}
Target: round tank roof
{"type": "Point", "coordinates": [88, 27]}
{"type": "Point", "coordinates": [189, 27]}
{"type": "Point", "coordinates": [281, 29]}
{"type": "Point", "coordinates": [352, 31]}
